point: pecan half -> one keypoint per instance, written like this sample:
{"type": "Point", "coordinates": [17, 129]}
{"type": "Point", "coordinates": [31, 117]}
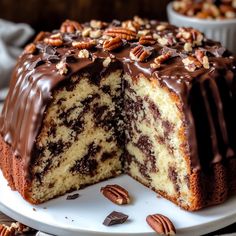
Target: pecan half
{"type": "Point", "coordinates": [161, 224]}
{"type": "Point", "coordinates": [6, 230]}
{"type": "Point", "coordinates": [54, 40]}
{"type": "Point", "coordinates": [139, 53]}
{"type": "Point", "coordinates": [30, 48]}
{"type": "Point", "coordinates": [162, 58]}
{"type": "Point", "coordinates": [122, 33]}
{"type": "Point", "coordinates": [40, 36]}
{"type": "Point", "coordinates": [116, 194]}
{"type": "Point", "coordinates": [147, 40]}
{"type": "Point", "coordinates": [84, 44]}
{"type": "Point", "coordinates": [14, 229]}
{"type": "Point", "coordinates": [112, 44]}
{"type": "Point", "coordinates": [70, 26]}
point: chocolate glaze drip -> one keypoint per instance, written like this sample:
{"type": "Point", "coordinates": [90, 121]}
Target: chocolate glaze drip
{"type": "Point", "coordinates": [36, 75]}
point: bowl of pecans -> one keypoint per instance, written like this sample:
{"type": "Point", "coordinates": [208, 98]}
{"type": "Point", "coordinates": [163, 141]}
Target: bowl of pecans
{"type": "Point", "coordinates": [215, 18]}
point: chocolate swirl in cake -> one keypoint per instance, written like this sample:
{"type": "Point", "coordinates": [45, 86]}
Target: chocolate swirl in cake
{"type": "Point", "coordinates": [177, 57]}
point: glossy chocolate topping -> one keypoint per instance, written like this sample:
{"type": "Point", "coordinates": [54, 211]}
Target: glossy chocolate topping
{"type": "Point", "coordinates": [180, 58]}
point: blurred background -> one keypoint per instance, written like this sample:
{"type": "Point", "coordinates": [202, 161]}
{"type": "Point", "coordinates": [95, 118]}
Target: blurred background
{"type": "Point", "coordinates": [48, 14]}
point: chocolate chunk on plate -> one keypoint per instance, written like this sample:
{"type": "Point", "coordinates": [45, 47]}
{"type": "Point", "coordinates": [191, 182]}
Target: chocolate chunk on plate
{"type": "Point", "coordinates": [72, 197]}
{"type": "Point", "coordinates": [115, 218]}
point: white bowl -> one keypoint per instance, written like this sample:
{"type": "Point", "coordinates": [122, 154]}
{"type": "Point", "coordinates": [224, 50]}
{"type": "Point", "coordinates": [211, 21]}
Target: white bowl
{"type": "Point", "coordinates": [223, 31]}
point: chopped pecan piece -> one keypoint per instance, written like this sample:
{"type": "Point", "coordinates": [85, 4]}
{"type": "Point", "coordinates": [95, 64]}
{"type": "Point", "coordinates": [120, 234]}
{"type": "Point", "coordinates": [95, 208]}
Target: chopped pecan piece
{"type": "Point", "coordinates": [190, 35]}
{"type": "Point", "coordinates": [139, 20]}
{"type": "Point", "coordinates": [161, 224]}
{"type": "Point", "coordinates": [97, 24]}
{"type": "Point", "coordinates": [188, 47]}
{"type": "Point", "coordinates": [143, 32]}
{"type": "Point", "coordinates": [116, 194]}
{"type": "Point", "coordinates": [86, 31]}
{"type": "Point", "coordinates": [84, 53]}
{"type": "Point", "coordinates": [132, 25]}
{"type": "Point", "coordinates": [161, 27]}
{"type": "Point", "coordinates": [62, 68]}
{"type": "Point", "coordinates": [122, 33]}
{"type": "Point", "coordinates": [106, 62]}
{"type": "Point", "coordinates": [205, 62]}
{"type": "Point", "coordinates": [84, 44]}
{"type": "Point", "coordinates": [201, 56]}
{"type": "Point", "coordinates": [54, 40]}
{"type": "Point", "coordinates": [154, 66]}
{"type": "Point", "coordinates": [191, 63]}
{"type": "Point", "coordinates": [147, 40]}
{"type": "Point", "coordinates": [21, 228]}
{"type": "Point", "coordinates": [139, 53]}
{"type": "Point", "coordinates": [95, 34]}
{"type": "Point", "coordinates": [112, 44]}
{"type": "Point", "coordinates": [163, 41]}
{"type": "Point", "coordinates": [70, 26]}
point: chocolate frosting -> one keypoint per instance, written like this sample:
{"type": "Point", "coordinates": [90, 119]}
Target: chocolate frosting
{"type": "Point", "coordinates": [36, 75]}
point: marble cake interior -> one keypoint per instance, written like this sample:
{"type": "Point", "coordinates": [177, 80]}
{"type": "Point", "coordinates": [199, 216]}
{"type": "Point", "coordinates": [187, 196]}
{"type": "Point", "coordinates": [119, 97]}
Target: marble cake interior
{"type": "Point", "coordinates": [94, 127]}
{"type": "Point", "coordinates": [155, 125]}
{"type": "Point", "coordinates": [79, 143]}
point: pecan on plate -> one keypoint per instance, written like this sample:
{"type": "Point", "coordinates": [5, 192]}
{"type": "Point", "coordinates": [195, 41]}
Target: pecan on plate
{"type": "Point", "coordinates": [116, 194]}
{"type": "Point", "coordinates": [161, 224]}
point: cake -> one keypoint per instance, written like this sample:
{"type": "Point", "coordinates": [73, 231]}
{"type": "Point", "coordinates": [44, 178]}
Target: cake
{"type": "Point", "coordinates": [91, 101]}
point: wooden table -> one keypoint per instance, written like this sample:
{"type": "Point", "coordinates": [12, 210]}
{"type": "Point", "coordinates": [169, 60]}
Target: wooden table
{"type": "Point", "coordinates": [228, 230]}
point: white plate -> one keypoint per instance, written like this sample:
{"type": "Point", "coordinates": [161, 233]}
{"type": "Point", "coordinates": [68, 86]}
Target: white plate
{"type": "Point", "coordinates": [84, 215]}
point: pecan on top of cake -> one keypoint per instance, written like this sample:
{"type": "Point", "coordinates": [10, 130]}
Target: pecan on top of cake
{"type": "Point", "coordinates": [149, 44]}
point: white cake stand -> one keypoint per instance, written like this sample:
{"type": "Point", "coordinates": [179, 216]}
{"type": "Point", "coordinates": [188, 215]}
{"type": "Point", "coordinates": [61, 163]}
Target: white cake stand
{"type": "Point", "coordinates": [84, 215]}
